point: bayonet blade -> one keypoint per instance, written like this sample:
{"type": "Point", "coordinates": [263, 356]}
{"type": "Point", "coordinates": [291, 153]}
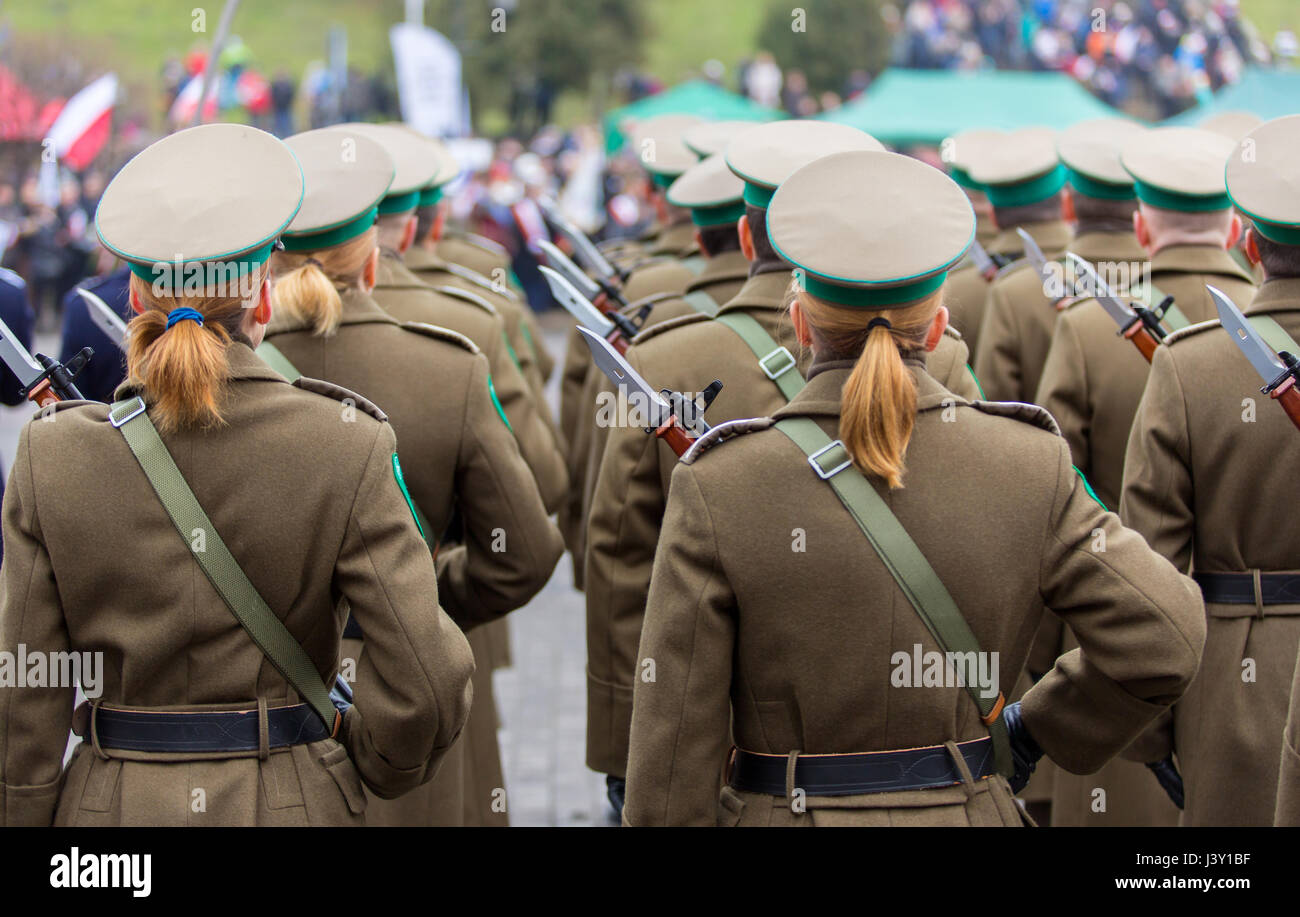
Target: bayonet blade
{"type": "Point", "coordinates": [1247, 339]}
{"type": "Point", "coordinates": [626, 379]}
{"type": "Point", "coordinates": [16, 357]}
{"type": "Point", "coordinates": [105, 319]}
{"type": "Point", "coordinates": [577, 305]}
{"type": "Point", "coordinates": [582, 246]}
{"type": "Point", "coordinates": [1034, 253]}
{"type": "Point", "coordinates": [983, 263]}
{"type": "Point", "coordinates": [1116, 308]}
{"type": "Point", "coordinates": [574, 274]}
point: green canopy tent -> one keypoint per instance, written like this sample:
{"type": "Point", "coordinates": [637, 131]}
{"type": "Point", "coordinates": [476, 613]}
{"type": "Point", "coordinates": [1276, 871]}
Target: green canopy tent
{"type": "Point", "coordinates": [908, 107]}
{"type": "Point", "coordinates": [1260, 91]}
{"type": "Point", "coordinates": [697, 97]}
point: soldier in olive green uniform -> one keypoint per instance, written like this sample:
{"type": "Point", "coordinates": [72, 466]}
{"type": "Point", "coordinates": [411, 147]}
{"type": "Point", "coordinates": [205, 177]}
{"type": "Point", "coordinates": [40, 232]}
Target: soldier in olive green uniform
{"type": "Point", "coordinates": [750, 347]}
{"type": "Point", "coordinates": [966, 289]}
{"type": "Point", "coordinates": [1092, 379]}
{"type": "Point", "coordinates": [1023, 179]}
{"type": "Point", "coordinates": [300, 485]}
{"type": "Point", "coordinates": [1208, 483]}
{"type": "Point", "coordinates": [459, 451]}
{"type": "Point", "coordinates": [1287, 811]}
{"type": "Point", "coordinates": [774, 621]}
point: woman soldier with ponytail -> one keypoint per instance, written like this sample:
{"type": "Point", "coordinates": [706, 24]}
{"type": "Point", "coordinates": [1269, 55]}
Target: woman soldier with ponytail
{"type": "Point", "coordinates": [457, 449]}
{"type": "Point", "coordinates": [182, 554]}
{"type": "Point", "coordinates": [857, 626]}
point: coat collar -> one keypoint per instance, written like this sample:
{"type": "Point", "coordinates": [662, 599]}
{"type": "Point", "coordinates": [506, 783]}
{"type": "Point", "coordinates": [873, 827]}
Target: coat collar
{"type": "Point", "coordinates": [1279, 295]}
{"type": "Point", "coordinates": [1097, 247]}
{"type": "Point", "coordinates": [720, 269]}
{"type": "Point", "coordinates": [1197, 259]}
{"type": "Point", "coordinates": [677, 240]}
{"type": "Point", "coordinates": [823, 395]}
{"type": "Point", "coordinates": [393, 274]}
{"type": "Point", "coordinates": [1052, 236]}
{"type": "Point", "coordinates": [419, 258]}
{"type": "Point", "coordinates": [762, 291]}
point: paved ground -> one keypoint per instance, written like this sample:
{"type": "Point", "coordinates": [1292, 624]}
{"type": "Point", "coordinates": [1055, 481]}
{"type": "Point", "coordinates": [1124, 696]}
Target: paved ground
{"type": "Point", "coordinates": [542, 699]}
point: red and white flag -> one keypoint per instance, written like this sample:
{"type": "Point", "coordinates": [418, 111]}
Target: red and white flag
{"type": "Point", "coordinates": [82, 127]}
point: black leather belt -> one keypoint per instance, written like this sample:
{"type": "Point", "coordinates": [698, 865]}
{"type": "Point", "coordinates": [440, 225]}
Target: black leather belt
{"type": "Point", "coordinates": [1239, 588]}
{"type": "Point", "coordinates": [202, 732]}
{"type": "Point", "coordinates": [873, 772]}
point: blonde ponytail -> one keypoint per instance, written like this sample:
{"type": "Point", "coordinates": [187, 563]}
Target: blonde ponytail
{"type": "Point", "coordinates": [184, 369]}
{"type": "Point", "coordinates": [879, 400]}
{"type": "Point", "coordinates": [308, 283]}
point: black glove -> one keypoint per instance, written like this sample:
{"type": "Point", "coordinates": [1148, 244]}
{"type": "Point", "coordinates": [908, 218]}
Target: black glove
{"type": "Point", "coordinates": [1172, 781]}
{"type": "Point", "coordinates": [1024, 750]}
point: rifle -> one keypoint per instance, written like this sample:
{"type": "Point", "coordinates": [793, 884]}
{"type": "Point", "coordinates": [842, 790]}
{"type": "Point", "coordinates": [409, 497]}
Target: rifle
{"type": "Point", "coordinates": [45, 382]}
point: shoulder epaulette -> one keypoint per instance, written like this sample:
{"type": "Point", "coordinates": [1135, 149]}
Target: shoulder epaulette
{"type": "Point", "coordinates": [1026, 413]}
{"type": "Point", "coordinates": [723, 432]}
{"type": "Point", "coordinates": [442, 334]}
{"type": "Point", "coordinates": [12, 277]}
{"type": "Point", "coordinates": [472, 276]}
{"type": "Point", "coordinates": [339, 393]}
{"type": "Point", "coordinates": [467, 296]}
{"type": "Point", "coordinates": [483, 242]}
{"type": "Point", "coordinates": [1011, 268]}
{"type": "Point", "coordinates": [1188, 330]}
{"type": "Point", "coordinates": [653, 298]}
{"type": "Point", "coordinates": [661, 327]}
{"type": "Point", "coordinates": [952, 332]}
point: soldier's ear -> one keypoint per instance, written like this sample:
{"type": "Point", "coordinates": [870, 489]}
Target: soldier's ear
{"type": "Point", "coordinates": [263, 311]}
{"type": "Point", "coordinates": [802, 333]}
{"type": "Point", "coordinates": [1067, 206]}
{"type": "Point", "coordinates": [746, 238]}
{"type": "Point", "coordinates": [136, 306]}
{"type": "Point", "coordinates": [439, 224]}
{"type": "Point", "coordinates": [1252, 248]}
{"type": "Point", "coordinates": [370, 271]}
{"type": "Point", "coordinates": [408, 235]}
{"type": "Point", "coordinates": [1140, 228]}
{"type": "Point", "coordinates": [937, 326]}
{"type": "Point", "coordinates": [699, 240]}
{"type": "Point", "coordinates": [1234, 230]}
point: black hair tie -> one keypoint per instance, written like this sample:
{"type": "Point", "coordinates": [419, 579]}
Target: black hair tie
{"type": "Point", "coordinates": [882, 322]}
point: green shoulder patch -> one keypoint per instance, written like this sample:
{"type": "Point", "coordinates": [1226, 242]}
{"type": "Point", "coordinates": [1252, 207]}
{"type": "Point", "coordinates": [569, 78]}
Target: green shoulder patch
{"type": "Point", "coordinates": [723, 432]}
{"type": "Point", "coordinates": [467, 296]}
{"type": "Point", "coordinates": [1187, 331]}
{"type": "Point", "coordinates": [1031, 414]}
{"type": "Point", "coordinates": [401, 482]}
{"type": "Point", "coordinates": [442, 334]}
{"type": "Point", "coordinates": [339, 393]}
{"type": "Point", "coordinates": [660, 327]}
{"type": "Point", "coordinates": [501, 412]}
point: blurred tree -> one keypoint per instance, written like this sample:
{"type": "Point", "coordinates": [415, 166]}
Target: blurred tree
{"type": "Point", "coordinates": [826, 39]}
{"type": "Point", "coordinates": [518, 56]}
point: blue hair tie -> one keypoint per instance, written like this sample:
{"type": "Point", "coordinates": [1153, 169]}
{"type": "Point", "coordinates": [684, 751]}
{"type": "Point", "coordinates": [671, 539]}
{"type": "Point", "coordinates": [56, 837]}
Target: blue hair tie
{"type": "Point", "coordinates": [184, 313]}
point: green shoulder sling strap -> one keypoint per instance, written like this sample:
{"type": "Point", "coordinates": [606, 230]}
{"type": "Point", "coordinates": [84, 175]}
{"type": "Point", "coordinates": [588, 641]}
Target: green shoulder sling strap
{"type": "Point", "coordinates": [776, 362]}
{"type": "Point", "coordinates": [904, 560]}
{"type": "Point", "coordinates": [1274, 335]}
{"type": "Point", "coordinates": [273, 358]}
{"type": "Point", "coordinates": [217, 563]}
{"type": "Point", "coordinates": [1173, 319]}
{"type": "Point", "coordinates": [701, 302]}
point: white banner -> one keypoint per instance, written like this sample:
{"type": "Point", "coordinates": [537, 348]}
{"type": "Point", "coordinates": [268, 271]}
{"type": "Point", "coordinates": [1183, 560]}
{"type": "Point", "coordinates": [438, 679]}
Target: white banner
{"type": "Point", "coordinates": [428, 80]}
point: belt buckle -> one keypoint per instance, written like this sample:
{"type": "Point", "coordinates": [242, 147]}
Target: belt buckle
{"type": "Point", "coordinates": [817, 466]}
{"type": "Point", "coordinates": [119, 421]}
{"type": "Point", "coordinates": [790, 363]}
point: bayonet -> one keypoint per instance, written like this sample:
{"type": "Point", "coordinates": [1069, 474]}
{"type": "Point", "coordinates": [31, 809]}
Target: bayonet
{"type": "Point", "coordinates": [43, 380]}
{"type": "Point", "coordinates": [609, 278]}
{"type": "Point", "coordinates": [1279, 369]}
{"type": "Point", "coordinates": [575, 275]}
{"type": "Point", "coordinates": [105, 319]}
{"type": "Point", "coordinates": [613, 327]}
{"type": "Point", "coordinates": [1050, 272]}
{"type": "Point", "coordinates": [1136, 323]}
{"type": "Point", "coordinates": [674, 418]}
{"type": "Point", "coordinates": [984, 262]}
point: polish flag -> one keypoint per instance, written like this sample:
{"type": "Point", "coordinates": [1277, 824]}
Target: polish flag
{"type": "Point", "coordinates": [187, 100]}
{"type": "Point", "coordinates": [82, 127]}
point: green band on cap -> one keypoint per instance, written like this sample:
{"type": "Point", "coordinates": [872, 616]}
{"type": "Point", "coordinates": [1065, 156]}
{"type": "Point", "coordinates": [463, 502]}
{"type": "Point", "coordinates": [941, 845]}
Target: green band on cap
{"type": "Point", "coordinates": [874, 297]}
{"type": "Point", "coordinates": [717, 216]}
{"type": "Point", "coordinates": [1102, 190]}
{"type": "Point", "coordinates": [1281, 233]}
{"type": "Point", "coordinates": [1027, 192]}
{"type": "Point", "coordinates": [397, 203]}
{"type": "Point", "coordinates": [430, 196]}
{"type": "Point", "coordinates": [151, 273]}
{"type": "Point", "coordinates": [757, 195]}
{"type": "Point", "coordinates": [962, 177]}
{"type": "Point", "coordinates": [1187, 203]}
{"type": "Point", "coordinates": [304, 242]}
{"type": "Point", "coordinates": [662, 179]}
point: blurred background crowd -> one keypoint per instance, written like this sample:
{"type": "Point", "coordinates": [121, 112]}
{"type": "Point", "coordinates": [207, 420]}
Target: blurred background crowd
{"type": "Point", "coordinates": [538, 94]}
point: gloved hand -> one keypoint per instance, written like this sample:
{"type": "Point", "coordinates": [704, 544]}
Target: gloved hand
{"type": "Point", "coordinates": [341, 695]}
{"type": "Point", "coordinates": [1024, 750]}
{"type": "Point", "coordinates": [1172, 781]}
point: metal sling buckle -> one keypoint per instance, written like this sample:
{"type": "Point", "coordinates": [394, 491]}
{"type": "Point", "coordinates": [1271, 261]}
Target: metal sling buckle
{"type": "Point", "coordinates": [772, 373]}
{"type": "Point", "coordinates": [817, 466]}
{"type": "Point", "coordinates": [139, 409]}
